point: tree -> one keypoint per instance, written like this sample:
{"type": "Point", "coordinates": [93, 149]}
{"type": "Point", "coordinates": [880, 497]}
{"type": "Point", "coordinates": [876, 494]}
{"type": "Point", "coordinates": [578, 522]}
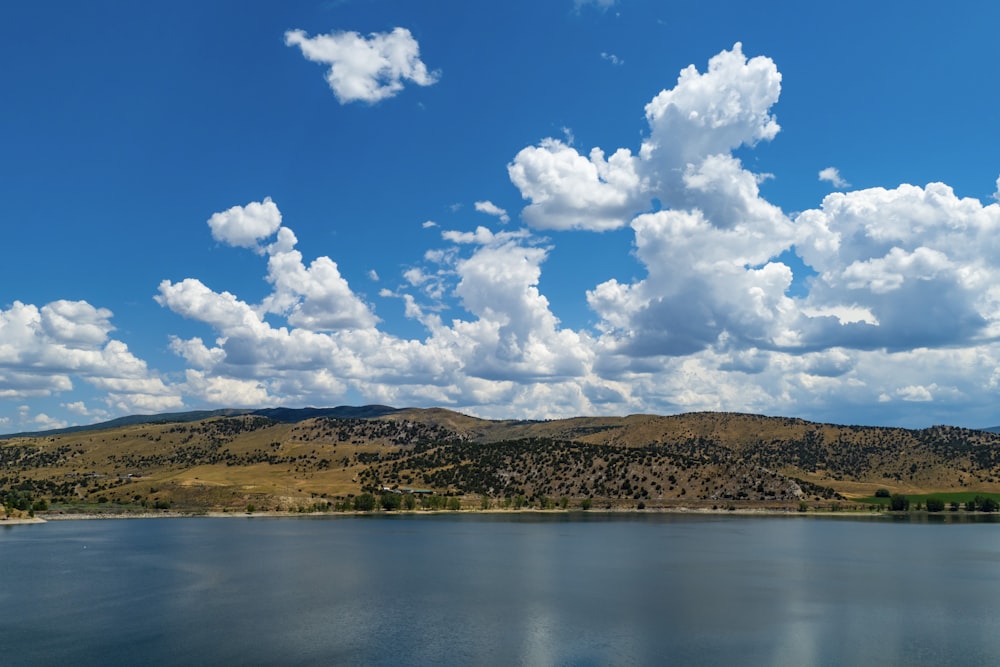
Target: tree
{"type": "Point", "coordinates": [935, 505]}
{"type": "Point", "coordinates": [364, 503]}
{"type": "Point", "coordinates": [882, 493]}
{"type": "Point", "coordinates": [433, 502]}
{"type": "Point", "coordinates": [898, 503]}
{"type": "Point", "coordinates": [585, 503]}
{"type": "Point", "coordinates": [409, 502]}
{"type": "Point", "coordinates": [391, 501]}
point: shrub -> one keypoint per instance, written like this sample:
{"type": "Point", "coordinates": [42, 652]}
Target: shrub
{"type": "Point", "coordinates": [882, 493]}
{"type": "Point", "coordinates": [898, 503]}
{"type": "Point", "coordinates": [935, 505]}
{"type": "Point", "coordinates": [986, 504]}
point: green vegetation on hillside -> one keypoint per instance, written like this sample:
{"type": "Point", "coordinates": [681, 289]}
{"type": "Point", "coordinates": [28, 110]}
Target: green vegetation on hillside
{"type": "Point", "coordinates": [436, 459]}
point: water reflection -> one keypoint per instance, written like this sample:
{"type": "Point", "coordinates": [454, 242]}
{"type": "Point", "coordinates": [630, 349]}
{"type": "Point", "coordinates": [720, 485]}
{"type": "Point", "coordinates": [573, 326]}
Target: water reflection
{"type": "Point", "coordinates": [518, 589]}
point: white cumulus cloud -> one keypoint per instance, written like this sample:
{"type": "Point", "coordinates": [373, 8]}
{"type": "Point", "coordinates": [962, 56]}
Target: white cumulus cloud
{"type": "Point", "coordinates": [570, 191]}
{"type": "Point", "coordinates": [922, 261]}
{"type": "Point", "coordinates": [365, 69]}
{"type": "Point", "coordinates": [244, 226]}
{"type": "Point", "coordinates": [900, 308]}
{"type": "Point", "coordinates": [43, 350]}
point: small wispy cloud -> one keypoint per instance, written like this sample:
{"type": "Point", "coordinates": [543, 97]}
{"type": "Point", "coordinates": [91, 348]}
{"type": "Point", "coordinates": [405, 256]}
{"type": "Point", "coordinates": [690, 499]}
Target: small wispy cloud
{"type": "Point", "coordinates": [832, 175]}
{"type": "Point", "coordinates": [599, 4]}
{"type": "Point", "coordinates": [428, 224]}
{"type": "Point", "coordinates": [490, 208]}
{"type": "Point", "coordinates": [612, 58]}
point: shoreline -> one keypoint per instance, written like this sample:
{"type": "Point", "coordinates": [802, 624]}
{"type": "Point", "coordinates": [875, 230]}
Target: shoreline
{"type": "Point", "coordinates": [215, 514]}
{"type": "Point", "coordinates": [10, 521]}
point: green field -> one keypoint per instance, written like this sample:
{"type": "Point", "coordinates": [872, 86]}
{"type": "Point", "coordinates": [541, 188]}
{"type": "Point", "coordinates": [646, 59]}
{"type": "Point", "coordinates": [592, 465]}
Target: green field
{"type": "Point", "coordinates": [947, 497]}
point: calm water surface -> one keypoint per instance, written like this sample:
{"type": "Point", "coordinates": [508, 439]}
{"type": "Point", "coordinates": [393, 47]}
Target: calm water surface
{"type": "Point", "coordinates": [500, 590]}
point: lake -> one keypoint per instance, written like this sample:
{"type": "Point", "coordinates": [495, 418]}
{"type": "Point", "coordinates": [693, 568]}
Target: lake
{"type": "Point", "coordinates": [516, 589]}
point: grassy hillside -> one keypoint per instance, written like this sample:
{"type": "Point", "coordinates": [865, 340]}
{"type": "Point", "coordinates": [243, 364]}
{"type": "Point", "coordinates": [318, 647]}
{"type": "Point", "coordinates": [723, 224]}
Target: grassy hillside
{"type": "Point", "coordinates": [693, 460]}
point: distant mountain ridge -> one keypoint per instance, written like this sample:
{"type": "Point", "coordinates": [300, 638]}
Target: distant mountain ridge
{"type": "Point", "coordinates": [289, 415]}
{"type": "Point", "coordinates": [282, 414]}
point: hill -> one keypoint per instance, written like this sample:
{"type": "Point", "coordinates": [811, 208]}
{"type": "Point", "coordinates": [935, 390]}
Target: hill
{"type": "Point", "coordinates": [322, 457]}
{"type": "Point", "coordinates": [278, 414]}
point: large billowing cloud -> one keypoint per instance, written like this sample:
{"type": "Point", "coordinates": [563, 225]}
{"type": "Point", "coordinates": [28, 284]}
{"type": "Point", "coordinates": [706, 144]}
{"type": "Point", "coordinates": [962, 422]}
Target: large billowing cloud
{"type": "Point", "coordinates": [365, 69]}
{"type": "Point", "coordinates": [900, 280]}
{"type": "Point", "coordinates": [331, 344]}
{"type": "Point", "coordinates": [685, 161]}
{"type": "Point", "coordinates": [43, 349]}
{"type": "Point", "coordinates": [899, 304]}
{"type": "Point", "coordinates": [709, 253]}
{"type": "Point", "coordinates": [316, 297]}
{"type": "Point", "coordinates": [570, 191]}
{"type": "Point", "coordinates": [896, 269]}
{"type": "Point", "coordinates": [922, 263]}
{"type": "Point", "coordinates": [900, 275]}
{"type": "Point", "coordinates": [713, 112]}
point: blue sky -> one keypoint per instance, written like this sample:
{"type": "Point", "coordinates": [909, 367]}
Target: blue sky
{"type": "Point", "coordinates": [519, 209]}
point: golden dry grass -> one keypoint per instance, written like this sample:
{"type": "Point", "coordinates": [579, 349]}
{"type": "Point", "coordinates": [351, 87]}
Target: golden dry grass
{"type": "Point", "coordinates": [228, 463]}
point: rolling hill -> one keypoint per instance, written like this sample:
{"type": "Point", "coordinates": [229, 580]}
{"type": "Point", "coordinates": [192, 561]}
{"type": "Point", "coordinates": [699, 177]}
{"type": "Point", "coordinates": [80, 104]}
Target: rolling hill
{"type": "Point", "coordinates": [319, 458]}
